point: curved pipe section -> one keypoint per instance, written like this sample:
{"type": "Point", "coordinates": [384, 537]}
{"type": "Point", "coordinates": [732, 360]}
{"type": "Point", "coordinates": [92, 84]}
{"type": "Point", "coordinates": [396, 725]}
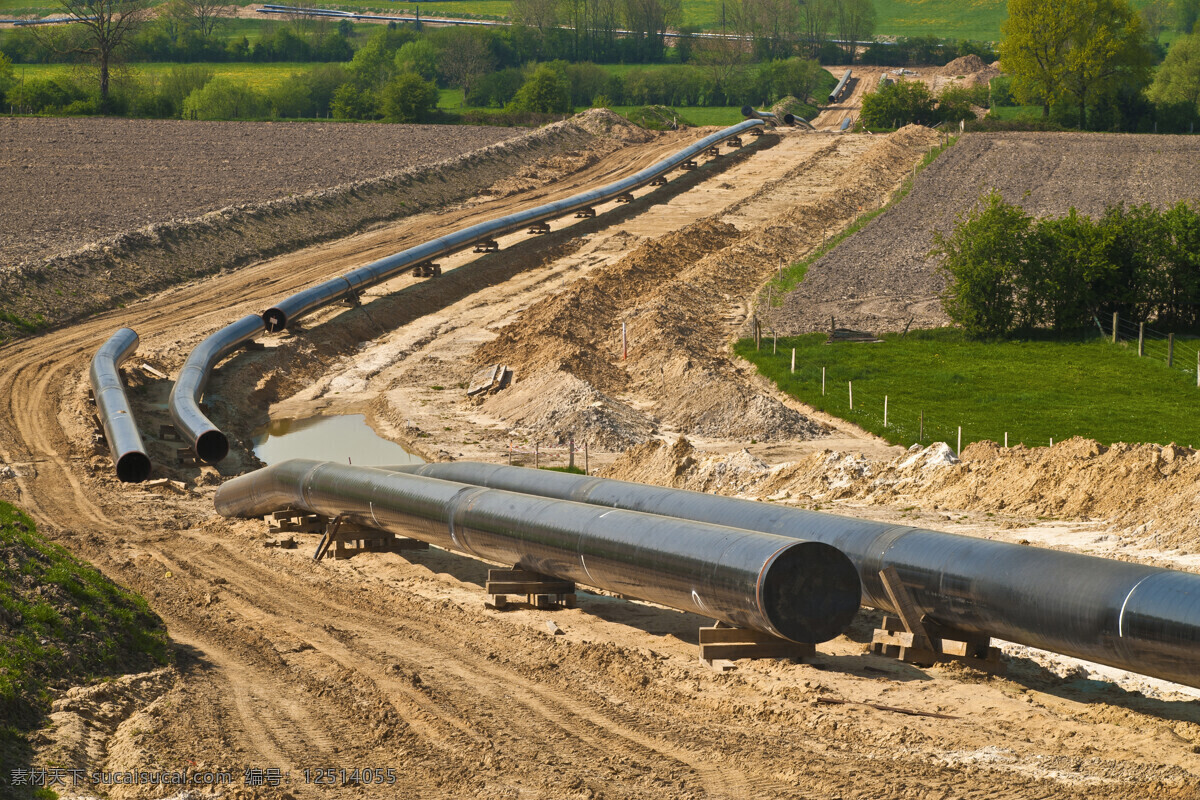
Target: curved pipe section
{"type": "Point", "coordinates": [768, 117]}
{"type": "Point", "coordinates": [1135, 617]}
{"type": "Point", "coordinates": [291, 308]}
{"type": "Point", "coordinates": [112, 406]}
{"type": "Point", "coordinates": [802, 591]}
{"type": "Point", "coordinates": [792, 119]}
{"type": "Point", "coordinates": [208, 443]}
{"type": "Point", "coordinates": [841, 87]}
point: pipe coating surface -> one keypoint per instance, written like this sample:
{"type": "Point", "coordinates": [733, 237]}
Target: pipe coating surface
{"type": "Point", "coordinates": [112, 406]}
{"type": "Point", "coordinates": [802, 591]}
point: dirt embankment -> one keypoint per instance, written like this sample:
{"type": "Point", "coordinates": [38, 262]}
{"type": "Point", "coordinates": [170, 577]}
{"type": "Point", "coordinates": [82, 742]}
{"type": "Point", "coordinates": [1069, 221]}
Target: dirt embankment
{"type": "Point", "coordinates": [1078, 479]}
{"type": "Point", "coordinates": [174, 249]}
{"type": "Point", "coordinates": [672, 294]}
{"type": "Point", "coordinates": [882, 277]}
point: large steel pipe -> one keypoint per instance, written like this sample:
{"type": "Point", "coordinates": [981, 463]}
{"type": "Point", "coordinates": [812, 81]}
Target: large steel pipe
{"type": "Point", "coordinates": [1139, 618]}
{"type": "Point", "coordinates": [112, 406]}
{"type": "Point", "coordinates": [207, 441]}
{"type": "Point", "coordinates": [304, 302]}
{"type": "Point", "coordinates": [768, 117]}
{"type": "Point", "coordinates": [802, 591]}
{"type": "Point", "coordinates": [841, 87]}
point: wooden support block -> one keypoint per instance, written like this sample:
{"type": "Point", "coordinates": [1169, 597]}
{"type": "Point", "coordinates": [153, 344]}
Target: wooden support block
{"type": "Point", "coordinates": [734, 141]}
{"type": "Point", "coordinates": [149, 370]}
{"type": "Point", "coordinates": [659, 181]}
{"type": "Point", "coordinates": [712, 151]}
{"type": "Point", "coordinates": [487, 246]}
{"type": "Point", "coordinates": [541, 591]}
{"type": "Point", "coordinates": [585, 213]}
{"type": "Point", "coordinates": [168, 433]}
{"type": "Point", "coordinates": [756, 132]}
{"type": "Point", "coordinates": [624, 198]}
{"type": "Point", "coordinates": [730, 644]}
{"type": "Point", "coordinates": [689, 165]}
{"type": "Point", "coordinates": [903, 603]}
{"type": "Point", "coordinates": [539, 228]}
{"type": "Point", "coordinates": [184, 455]}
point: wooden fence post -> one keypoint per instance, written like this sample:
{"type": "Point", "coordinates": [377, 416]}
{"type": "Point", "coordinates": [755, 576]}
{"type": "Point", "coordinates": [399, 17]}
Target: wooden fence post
{"type": "Point", "coordinates": [921, 430]}
{"type": "Point", "coordinates": [537, 455]}
{"type": "Point", "coordinates": [850, 384]}
{"type": "Point", "coordinates": [1170, 349]}
{"type": "Point", "coordinates": [959, 451]}
{"type": "Point", "coordinates": [1115, 320]}
{"type": "Point", "coordinates": [885, 411]}
{"type": "Point", "coordinates": [794, 360]}
{"type": "Point", "coordinates": [823, 381]}
{"type": "Point", "coordinates": [1141, 339]}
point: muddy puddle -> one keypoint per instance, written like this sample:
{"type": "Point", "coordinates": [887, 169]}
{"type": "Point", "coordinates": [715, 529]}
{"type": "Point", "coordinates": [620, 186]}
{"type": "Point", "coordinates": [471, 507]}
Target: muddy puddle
{"type": "Point", "coordinates": [345, 438]}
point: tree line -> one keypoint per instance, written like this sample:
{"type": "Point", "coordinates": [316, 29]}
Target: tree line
{"type": "Point", "coordinates": [1009, 273]}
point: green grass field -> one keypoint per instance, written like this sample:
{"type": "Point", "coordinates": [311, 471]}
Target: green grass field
{"type": "Point", "coordinates": [1033, 390]}
{"type": "Point", "coordinates": [260, 76]}
{"type": "Point", "coordinates": [1017, 112]}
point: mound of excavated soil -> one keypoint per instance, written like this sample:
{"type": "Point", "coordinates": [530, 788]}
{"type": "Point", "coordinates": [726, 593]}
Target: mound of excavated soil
{"type": "Point", "coordinates": [1150, 490]}
{"type": "Point", "coordinates": [882, 277]}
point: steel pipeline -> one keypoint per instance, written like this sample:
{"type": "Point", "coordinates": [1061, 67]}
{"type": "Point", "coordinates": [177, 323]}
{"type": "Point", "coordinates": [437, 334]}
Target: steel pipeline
{"type": "Point", "coordinates": [768, 117]}
{"type": "Point", "coordinates": [112, 406]}
{"type": "Point", "coordinates": [208, 443]}
{"type": "Point", "coordinates": [1139, 618]}
{"type": "Point", "coordinates": [841, 86]}
{"type": "Point", "coordinates": [802, 591]}
{"type": "Point", "coordinates": [291, 308]}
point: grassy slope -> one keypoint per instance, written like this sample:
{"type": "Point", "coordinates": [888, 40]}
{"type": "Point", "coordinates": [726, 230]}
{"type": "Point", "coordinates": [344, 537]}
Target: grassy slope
{"type": "Point", "coordinates": [1034, 390]}
{"type": "Point", "coordinates": [62, 623]}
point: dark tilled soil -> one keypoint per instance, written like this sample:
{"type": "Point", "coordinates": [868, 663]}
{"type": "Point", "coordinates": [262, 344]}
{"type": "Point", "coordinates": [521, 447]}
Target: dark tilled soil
{"type": "Point", "coordinates": [67, 182]}
{"type": "Point", "coordinates": [881, 278]}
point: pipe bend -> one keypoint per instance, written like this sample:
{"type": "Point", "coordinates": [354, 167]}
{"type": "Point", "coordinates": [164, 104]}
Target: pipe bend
{"type": "Point", "coordinates": [129, 455]}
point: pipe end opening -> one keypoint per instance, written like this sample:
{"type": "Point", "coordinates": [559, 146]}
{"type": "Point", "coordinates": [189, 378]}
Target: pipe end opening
{"type": "Point", "coordinates": [789, 119]}
{"type": "Point", "coordinates": [212, 446]}
{"type": "Point", "coordinates": [274, 320]}
{"type": "Point", "coordinates": [810, 592]}
{"type": "Point", "coordinates": [747, 111]}
{"type": "Point", "coordinates": [133, 467]}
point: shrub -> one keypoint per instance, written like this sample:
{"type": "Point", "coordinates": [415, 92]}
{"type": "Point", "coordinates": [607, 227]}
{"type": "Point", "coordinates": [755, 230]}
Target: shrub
{"type": "Point", "coordinates": [546, 91]}
{"type": "Point", "coordinates": [408, 98]}
{"type": "Point", "coordinates": [351, 103]}
{"type": "Point", "coordinates": [898, 104]}
{"type": "Point", "coordinates": [223, 98]}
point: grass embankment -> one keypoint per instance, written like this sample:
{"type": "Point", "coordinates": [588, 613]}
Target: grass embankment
{"type": "Point", "coordinates": [1033, 390]}
{"type": "Point", "coordinates": [62, 623]}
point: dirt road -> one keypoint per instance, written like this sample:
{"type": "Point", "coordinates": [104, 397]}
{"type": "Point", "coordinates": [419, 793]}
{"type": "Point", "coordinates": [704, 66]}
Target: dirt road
{"type": "Point", "coordinates": [389, 662]}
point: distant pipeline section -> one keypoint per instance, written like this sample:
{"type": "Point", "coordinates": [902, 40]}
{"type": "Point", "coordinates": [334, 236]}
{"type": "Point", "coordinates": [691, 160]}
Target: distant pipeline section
{"type": "Point", "coordinates": [112, 407]}
{"type": "Point", "coordinates": [211, 445]}
{"type": "Point", "coordinates": [836, 94]}
{"type": "Point", "coordinates": [1131, 616]}
{"type": "Point", "coordinates": [801, 591]}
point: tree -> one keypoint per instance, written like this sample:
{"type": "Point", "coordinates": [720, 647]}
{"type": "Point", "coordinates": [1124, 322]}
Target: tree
{"type": "Point", "coordinates": [207, 14]}
{"type": "Point", "coordinates": [1107, 48]}
{"type": "Point", "coordinates": [408, 98]}
{"type": "Point", "coordinates": [102, 29]}
{"type": "Point", "coordinates": [1036, 37]}
{"type": "Point", "coordinates": [1072, 50]}
{"type": "Point", "coordinates": [539, 14]}
{"type": "Point", "coordinates": [647, 21]}
{"type": "Point", "coordinates": [1178, 79]}
{"type": "Point", "coordinates": [465, 59]}
{"type": "Point", "coordinates": [772, 26]}
{"type": "Point", "coordinates": [984, 258]}
{"type": "Point", "coordinates": [7, 77]}
{"type": "Point", "coordinates": [816, 18]}
{"type": "Point", "coordinates": [420, 57]}
{"type": "Point", "coordinates": [222, 98]}
{"type": "Point", "coordinates": [855, 22]}
{"type": "Point", "coordinates": [546, 91]}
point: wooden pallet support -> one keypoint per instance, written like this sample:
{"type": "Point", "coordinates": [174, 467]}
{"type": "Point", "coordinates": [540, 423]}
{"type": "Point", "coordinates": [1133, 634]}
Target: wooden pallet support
{"type": "Point", "coordinates": [713, 151]}
{"type": "Point", "coordinates": [624, 198]}
{"type": "Point", "coordinates": [541, 591]}
{"type": "Point", "coordinates": [168, 433]}
{"type": "Point", "coordinates": [487, 246]}
{"type": "Point", "coordinates": [585, 213]}
{"type": "Point", "coordinates": [186, 456]}
{"type": "Point", "coordinates": [689, 165]}
{"type": "Point", "coordinates": [292, 521]}
{"type": "Point", "coordinates": [539, 228]}
{"type": "Point", "coordinates": [659, 181]}
{"type": "Point", "coordinates": [915, 639]}
{"type": "Point", "coordinates": [342, 540]}
{"type": "Point", "coordinates": [756, 132]}
{"type": "Point", "coordinates": [733, 141]}
{"type": "Point", "coordinates": [427, 270]}
{"type": "Point", "coordinates": [721, 645]}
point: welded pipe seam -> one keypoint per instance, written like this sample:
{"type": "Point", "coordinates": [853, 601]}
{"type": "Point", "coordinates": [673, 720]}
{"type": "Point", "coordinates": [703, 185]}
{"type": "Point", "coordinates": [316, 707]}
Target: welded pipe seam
{"type": "Point", "coordinates": [112, 407]}
{"type": "Point", "coordinates": [207, 441]}
{"type": "Point", "coordinates": [1131, 616]}
{"type": "Point", "coordinates": [802, 591]}
{"type": "Point", "coordinates": [308, 300]}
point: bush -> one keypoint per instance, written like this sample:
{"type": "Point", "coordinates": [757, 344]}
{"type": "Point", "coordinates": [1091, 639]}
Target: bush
{"type": "Point", "coordinates": [899, 104]}
{"type": "Point", "coordinates": [8, 78]}
{"type": "Point", "coordinates": [496, 89]}
{"type": "Point", "coordinates": [223, 98]}
{"type": "Point", "coordinates": [547, 91]}
{"type": "Point", "coordinates": [351, 103]}
{"type": "Point", "coordinates": [45, 95]}
{"type": "Point", "coordinates": [409, 98]}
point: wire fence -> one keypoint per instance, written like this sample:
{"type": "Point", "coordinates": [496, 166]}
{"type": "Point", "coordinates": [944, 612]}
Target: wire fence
{"type": "Point", "coordinates": [1177, 353]}
{"type": "Point", "coordinates": [573, 456]}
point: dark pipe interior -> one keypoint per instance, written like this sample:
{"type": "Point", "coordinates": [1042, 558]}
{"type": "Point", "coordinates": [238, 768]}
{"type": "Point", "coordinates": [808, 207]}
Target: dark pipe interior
{"type": "Point", "coordinates": [212, 446]}
{"type": "Point", "coordinates": [133, 467]}
{"type": "Point", "coordinates": [803, 592]}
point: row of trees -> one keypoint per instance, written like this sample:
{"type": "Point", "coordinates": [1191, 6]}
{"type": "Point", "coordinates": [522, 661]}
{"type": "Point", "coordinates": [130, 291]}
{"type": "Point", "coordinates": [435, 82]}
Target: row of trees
{"type": "Point", "coordinates": [901, 103]}
{"type": "Point", "coordinates": [1009, 273]}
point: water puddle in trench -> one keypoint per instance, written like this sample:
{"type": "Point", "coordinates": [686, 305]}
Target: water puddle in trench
{"type": "Point", "coordinates": [344, 438]}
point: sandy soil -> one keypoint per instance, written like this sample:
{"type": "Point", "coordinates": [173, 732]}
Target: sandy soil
{"type": "Point", "coordinates": [882, 277]}
{"type": "Point", "coordinates": [390, 661]}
